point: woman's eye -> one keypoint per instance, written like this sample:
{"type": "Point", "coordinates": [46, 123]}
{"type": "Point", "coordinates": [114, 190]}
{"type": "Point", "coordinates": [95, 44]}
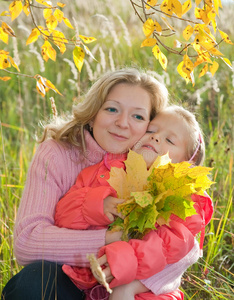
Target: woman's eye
{"type": "Point", "coordinates": [111, 109]}
{"type": "Point", "coordinates": [138, 117]}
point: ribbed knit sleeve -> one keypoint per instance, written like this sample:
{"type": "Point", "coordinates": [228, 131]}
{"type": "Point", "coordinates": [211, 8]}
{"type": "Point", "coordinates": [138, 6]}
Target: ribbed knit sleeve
{"type": "Point", "coordinates": [169, 279]}
{"type": "Point", "coordinates": [52, 172]}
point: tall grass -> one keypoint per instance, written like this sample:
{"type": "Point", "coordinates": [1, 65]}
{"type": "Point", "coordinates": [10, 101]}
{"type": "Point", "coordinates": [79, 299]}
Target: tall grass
{"type": "Point", "coordinates": [118, 44]}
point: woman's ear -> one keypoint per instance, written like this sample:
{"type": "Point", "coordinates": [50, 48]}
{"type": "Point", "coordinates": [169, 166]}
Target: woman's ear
{"type": "Point", "coordinates": [91, 125]}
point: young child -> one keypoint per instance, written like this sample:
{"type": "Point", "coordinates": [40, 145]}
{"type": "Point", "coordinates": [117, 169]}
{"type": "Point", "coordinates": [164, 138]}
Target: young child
{"type": "Point", "coordinates": [173, 130]}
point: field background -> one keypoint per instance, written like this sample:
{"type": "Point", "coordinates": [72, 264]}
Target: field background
{"type": "Point", "coordinates": [119, 35]}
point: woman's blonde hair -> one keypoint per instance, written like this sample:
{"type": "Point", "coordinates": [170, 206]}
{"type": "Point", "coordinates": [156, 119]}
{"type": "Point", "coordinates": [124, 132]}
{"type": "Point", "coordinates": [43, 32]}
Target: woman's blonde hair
{"type": "Point", "coordinates": [196, 145]}
{"type": "Point", "coordinates": [72, 130]}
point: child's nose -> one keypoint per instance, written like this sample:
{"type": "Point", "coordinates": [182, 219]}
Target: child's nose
{"type": "Point", "coordinates": [156, 137]}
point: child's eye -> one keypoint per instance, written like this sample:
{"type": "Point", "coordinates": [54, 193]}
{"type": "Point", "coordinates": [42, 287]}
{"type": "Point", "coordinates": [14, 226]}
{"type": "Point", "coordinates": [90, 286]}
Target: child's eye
{"type": "Point", "coordinates": [111, 109]}
{"type": "Point", "coordinates": [150, 131]}
{"type": "Point", "coordinates": [138, 117]}
{"type": "Point", "coordinates": [169, 141]}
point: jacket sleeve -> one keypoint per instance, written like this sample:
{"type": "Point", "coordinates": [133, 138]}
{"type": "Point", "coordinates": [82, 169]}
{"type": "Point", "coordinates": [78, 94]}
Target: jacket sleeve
{"type": "Point", "coordinates": [166, 245]}
{"type": "Point", "coordinates": [82, 206]}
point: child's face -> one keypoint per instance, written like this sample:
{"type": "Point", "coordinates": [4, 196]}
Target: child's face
{"type": "Point", "coordinates": [167, 132]}
{"type": "Point", "coordinates": [122, 119]}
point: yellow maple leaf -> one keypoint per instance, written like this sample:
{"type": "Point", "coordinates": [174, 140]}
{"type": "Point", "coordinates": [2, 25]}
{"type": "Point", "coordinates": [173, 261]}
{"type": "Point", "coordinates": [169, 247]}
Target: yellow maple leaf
{"type": "Point", "coordinates": [153, 195]}
{"type": "Point", "coordinates": [15, 9]}
{"type": "Point", "coordinates": [78, 57]}
{"type": "Point", "coordinates": [150, 26]}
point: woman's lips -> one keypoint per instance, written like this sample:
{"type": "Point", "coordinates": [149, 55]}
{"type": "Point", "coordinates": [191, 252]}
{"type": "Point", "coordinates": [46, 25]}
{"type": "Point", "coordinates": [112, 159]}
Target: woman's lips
{"type": "Point", "coordinates": [118, 137]}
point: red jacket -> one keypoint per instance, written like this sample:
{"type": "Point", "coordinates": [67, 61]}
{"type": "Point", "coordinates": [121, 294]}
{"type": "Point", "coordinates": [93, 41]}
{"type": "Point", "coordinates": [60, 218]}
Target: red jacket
{"type": "Point", "coordinates": [82, 208]}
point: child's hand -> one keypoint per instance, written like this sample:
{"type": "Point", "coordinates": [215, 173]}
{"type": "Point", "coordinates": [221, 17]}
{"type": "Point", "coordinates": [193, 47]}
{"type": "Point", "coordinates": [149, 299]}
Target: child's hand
{"type": "Point", "coordinates": [122, 292]}
{"type": "Point", "coordinates": [107, 271]}
{"type": "Point", "coordinates": [110, 207]}
{"type": "Point", "coordinates": [128, 291]}
{"type": "Point", "coordinates": [112, 237]}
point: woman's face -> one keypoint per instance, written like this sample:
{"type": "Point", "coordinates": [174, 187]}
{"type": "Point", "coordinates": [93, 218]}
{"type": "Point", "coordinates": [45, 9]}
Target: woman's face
{"type": "Point", "coordinates": [122, 119]}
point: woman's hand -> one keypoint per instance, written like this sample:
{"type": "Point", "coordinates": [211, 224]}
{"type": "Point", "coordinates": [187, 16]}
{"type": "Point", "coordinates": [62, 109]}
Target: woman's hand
{"type": "Point", "coordinates": [110, 207]}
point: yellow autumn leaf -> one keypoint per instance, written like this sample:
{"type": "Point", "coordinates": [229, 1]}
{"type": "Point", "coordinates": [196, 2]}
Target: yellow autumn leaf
{"type": "Point", "coordinates": [87, 39]}
{"type": "Point", "coordinates": [156, 51]}
{"type": "Point", "coordinates": [26, 8]}
{"type": "Point", "coordinates": [15, 9]}
{"type": "Point", "coordinates": [215, 51]}
{"type": "Point", "coordinates": [148, 42]}
{"type": "Point", "coordinates": [67, 22]}
{"type": "Point", "coordinates": [4, 62]}
{"type": "Point", "coordinates": [33, 36]}
{"type": "Point", "coordinates": [188, 64]}
{"type": "Point", "coordinates": [51, 86]}
{"type": "Point", "coordinates": [59, 40]}
{"type": "Point", "coordinates": [47, 12]}
{"type": "Point", "coordinates": [7, 29]}
{"type": "Point", "coordinates": [44, 85]}
{"type": "Point", "coordinates": [13, 63]}
{"type": "Point", "coordinates": [227, 62]}
{"type": "Point", "coordinates": [58, 14]}
{"type": "Point", "coordinates": [51, 23]}
{"type": "Point", "coordinates": [44, 2]}
{"type": "Point", "coordinates": [61, 4]}
{"type": "Point", "coordinates": [153, 195]}
{"type": "Point", "coordinates": [48, 51]}
{"type": "Point", "coordinates": [78, 57]}
{"type": "Point", "coordinates": [198, 2]}
{"type": "Point", "coordinates": [177, 8]}
{"type": "Point", "coordinates": [187, 5]}
{"type": "Point", "coordinates": [163, 60]}
{"type": "Point", "coordinates": [181, 70]}
{"type": "Point", "coordinates": [203, 70]}
{"type": "Point", "coordinates": [166, 7]}
{"type": "Point", "coordinates": [3, 36]}
{"type": "Point", "coordinates": [150, 26]}
{"type": "Point", "coordinates": [151, 3]}
{"type": "Point", "coordinates": [214, 67]}
{"type": "Point", "coordinates": [5, 13]}
{"type": "Point", "coordinates": [168, 24]}
{"type": "Point", "coordinates": [5, 78]}
{"type": "Point", "coordinates": [225, 37]}
{"type": "Point", "coordinates": [187, 32]}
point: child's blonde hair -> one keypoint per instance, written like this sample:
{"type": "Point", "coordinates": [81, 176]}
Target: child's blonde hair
{"type": "Point", "coordinates": [72, 131]}
{"type": "Point", "coordinates": [196, 145]}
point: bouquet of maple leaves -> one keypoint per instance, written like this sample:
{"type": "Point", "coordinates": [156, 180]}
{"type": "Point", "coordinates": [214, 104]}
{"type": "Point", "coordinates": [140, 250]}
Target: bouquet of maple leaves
{"type": "Point", "coordinates": [152, 195]}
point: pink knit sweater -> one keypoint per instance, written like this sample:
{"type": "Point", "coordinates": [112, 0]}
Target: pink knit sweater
{"type": "Point", "coordinates": [52, 172]}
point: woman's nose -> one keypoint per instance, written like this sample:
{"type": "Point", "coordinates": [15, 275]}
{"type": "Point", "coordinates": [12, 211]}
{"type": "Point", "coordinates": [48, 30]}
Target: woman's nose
{"type": "Point", "coordinates": [122, 121]}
